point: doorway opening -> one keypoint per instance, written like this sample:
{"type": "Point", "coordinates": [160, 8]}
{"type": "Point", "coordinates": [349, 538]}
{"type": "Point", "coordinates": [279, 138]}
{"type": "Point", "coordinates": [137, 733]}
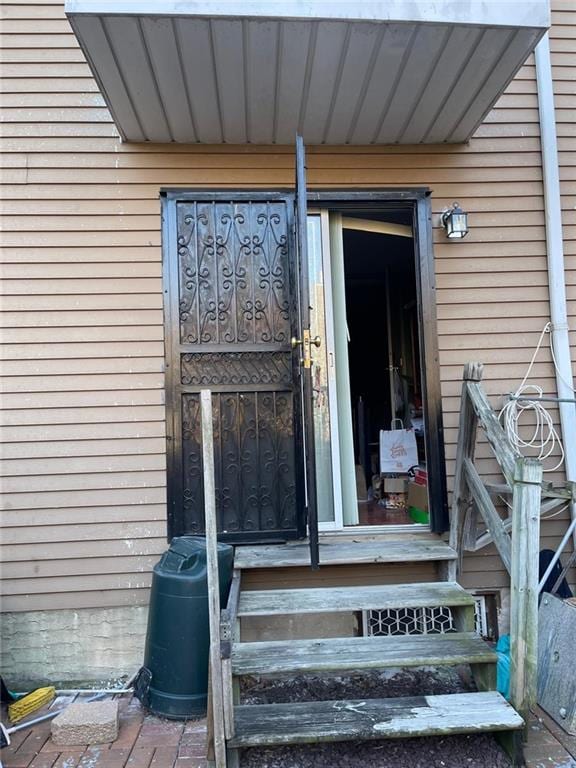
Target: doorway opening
{"type": "Point", "coordinates": [384, 369]}
{"type": "Point", "coordinates": [371, 378]}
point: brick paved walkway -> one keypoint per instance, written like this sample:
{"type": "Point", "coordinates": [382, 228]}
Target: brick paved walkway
{"type": "Point", "coordinates": [548, 745]}
{"type": "Point", "coordinates": [146, 741]}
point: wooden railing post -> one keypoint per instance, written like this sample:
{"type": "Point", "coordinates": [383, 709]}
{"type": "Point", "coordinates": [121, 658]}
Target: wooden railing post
{"type": "Point", "coordinates": [216, 684]}
{"type": "Point", "coordinates": [524, 585]}
{"type": "Point", "coordinates": [465, 450]}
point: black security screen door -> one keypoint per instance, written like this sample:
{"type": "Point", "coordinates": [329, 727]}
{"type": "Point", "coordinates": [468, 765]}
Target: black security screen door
{"type": "Point", "coordinates": [231, 312]}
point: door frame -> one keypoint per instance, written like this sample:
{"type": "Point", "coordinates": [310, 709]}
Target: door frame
{"type": "Point", "coordinates": [418, 199]}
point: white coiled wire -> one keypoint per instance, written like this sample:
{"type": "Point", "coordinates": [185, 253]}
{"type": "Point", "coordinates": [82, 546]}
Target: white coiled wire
{"type": "Point", "coordinates": [544, 438]}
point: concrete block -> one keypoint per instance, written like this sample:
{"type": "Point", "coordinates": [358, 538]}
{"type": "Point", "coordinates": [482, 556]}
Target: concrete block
{"type": "Point", "coordinates": [92, 647]}
{"type": "Point", "coordinates": [86, 722]}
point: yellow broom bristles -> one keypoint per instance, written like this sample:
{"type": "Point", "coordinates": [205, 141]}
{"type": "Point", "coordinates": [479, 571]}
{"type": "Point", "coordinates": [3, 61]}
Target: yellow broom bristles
{"type": "Point", "coordinates": [30, 703]}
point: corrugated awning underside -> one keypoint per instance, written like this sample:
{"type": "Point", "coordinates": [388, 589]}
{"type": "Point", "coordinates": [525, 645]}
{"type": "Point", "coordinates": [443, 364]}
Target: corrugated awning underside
{"type": "Point", "coordinates": [244, 78]}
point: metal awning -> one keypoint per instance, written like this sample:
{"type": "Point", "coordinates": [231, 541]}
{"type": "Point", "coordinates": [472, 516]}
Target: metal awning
{"type": "Point", "coordinates": [338, 72]}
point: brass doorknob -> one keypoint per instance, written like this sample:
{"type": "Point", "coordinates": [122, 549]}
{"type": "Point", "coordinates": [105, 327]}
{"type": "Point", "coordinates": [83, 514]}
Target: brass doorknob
{"type": "Point", "coordinates": [317, 341]}
{"type": "Point", "coordinates": [294, 342]}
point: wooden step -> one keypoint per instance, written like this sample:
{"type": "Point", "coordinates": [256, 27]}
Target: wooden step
{"type": "Point", "coordinates": [275, 724]}
{"type": "Point", "coordinates": [343, 599]}
{"type": "Point", "coordinates": [341, 653]}
{"type": "Point", "coordinates": [343, 552]}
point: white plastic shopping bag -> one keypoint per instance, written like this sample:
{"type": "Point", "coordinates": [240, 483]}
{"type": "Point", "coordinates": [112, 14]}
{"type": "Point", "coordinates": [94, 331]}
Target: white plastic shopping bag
{"type": "Point", "coordinates": [398, 450]}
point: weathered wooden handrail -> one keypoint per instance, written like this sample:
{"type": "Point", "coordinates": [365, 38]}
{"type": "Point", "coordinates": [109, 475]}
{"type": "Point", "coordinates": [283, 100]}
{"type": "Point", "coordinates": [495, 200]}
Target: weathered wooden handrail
{"type": "Point", "coordinates": [229, 632]}
{"type": "Point", "coordinates": [519, 551]}
{"type": "Point", "coordinates": [494, 433]}
{"type": "Point", "coordinates": [487, 538]}
{"type": "Point", "coordinates": [461, 499]}
{"type": "Point", "coordinates": [488, 511]}
{"type": "Point", "coordinates": [476, 411]}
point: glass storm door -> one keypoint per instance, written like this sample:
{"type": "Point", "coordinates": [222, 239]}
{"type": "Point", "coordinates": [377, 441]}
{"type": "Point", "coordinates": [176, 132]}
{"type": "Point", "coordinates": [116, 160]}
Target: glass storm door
{"type": "Point", "coordinates": [326, 436]}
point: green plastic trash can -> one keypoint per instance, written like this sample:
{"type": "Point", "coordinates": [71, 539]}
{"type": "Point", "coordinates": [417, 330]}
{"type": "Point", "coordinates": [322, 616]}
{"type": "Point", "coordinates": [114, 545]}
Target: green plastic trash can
{"type": "Point", "coordinates": [174, 680]}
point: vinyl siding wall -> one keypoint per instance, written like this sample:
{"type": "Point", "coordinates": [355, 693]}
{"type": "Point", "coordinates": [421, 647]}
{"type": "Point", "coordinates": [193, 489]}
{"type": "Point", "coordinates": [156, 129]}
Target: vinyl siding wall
{"type": "Point", "coordinates": [83, 434]}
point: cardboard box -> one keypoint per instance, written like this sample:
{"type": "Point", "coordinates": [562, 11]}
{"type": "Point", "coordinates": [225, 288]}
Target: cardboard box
{"type": "Point", "coordinates": [395, 485]}
{"type": "Point", "coordinates": [417, 496]}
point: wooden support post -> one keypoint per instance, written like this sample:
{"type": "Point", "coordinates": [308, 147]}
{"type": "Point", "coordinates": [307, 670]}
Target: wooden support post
{"type": "Point", "coordinates": [213, 581]}
{"type": "Point", "coordinates": [465, 450]}
{"type": "Point", "coordinates": [484, 676]}
{"type": "Point", "coordinates": [210, 756]}
{"type": "Point", "coordinates": [524, 585]}
{"type": "Point", "coordinates": [228, 635]}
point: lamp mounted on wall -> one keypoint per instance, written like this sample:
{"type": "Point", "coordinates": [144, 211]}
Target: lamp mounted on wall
{"type": "Point", "coordinates": [455, 222]}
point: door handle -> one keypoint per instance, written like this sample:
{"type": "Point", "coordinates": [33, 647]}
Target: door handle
{"type": "Point", "coordinates": [294, 342]}
{"type": "Point", "coordinates": [306, 343]}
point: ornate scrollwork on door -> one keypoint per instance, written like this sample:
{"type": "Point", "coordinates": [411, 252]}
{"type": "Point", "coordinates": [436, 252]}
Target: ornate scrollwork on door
{"type": "Point", "coordinates": [234, 279]}
{"type": "Point", "coordinates": [205, 369]}
{"type": "Point", "coordinates": [254, 462]}
{"type": "Point", "coordinates": [235, 310]}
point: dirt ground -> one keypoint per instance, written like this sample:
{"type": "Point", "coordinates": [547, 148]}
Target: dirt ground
{"type": "Point", "coordinates": [148, 741]}
{"type": "Point", "coordinates": [466, 751]}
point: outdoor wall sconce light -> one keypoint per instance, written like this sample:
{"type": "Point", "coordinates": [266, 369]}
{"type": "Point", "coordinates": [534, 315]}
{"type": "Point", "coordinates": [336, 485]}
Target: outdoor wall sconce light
{"type": "Point", "coordinates": [455, 222]}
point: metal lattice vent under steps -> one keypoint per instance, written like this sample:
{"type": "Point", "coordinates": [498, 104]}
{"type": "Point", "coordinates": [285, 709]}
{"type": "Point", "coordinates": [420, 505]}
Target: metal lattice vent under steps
{"type": "Point", "coordinates": [420, 621]}
{"type": "Point", "coordinates": [443, 610]}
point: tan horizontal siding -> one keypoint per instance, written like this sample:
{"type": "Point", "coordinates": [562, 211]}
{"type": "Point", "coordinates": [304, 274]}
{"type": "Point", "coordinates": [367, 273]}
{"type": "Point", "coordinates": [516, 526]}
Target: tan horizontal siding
{"type": "Point", "coordinates": [563, 38]}
{"type": "Point", "coordinates": [78, 600]}
{"type": "Point", "coordinates": [78, 431]}
{"type": "Point", "coordinates": [82, 382]}
{"type": "Point", "coordinates": [139, 494]}
{"type": "Point", "coordinates": [117, 446]}
{"type": "Point", "coordinates": [83, 433]}
{"type": "Point", "coordinates": [504, 189]}
{"type": "Point", "coordinates": [89, 415]}
{"type": "Point", "coordinates": [102, 144]}
{"type": "Point", "coordinates": [282, 161]}
{"type": "Point", "coordinates": [82, 254]}
{"type": "Point", "coordinates": [34, 85]}
{"type": "Point", "coordinates": [35, 303]}
{"type": "Point", "coordinates": [74, 351]}
{"type": "Point", "coordinates": [18, 10]}
{"type": "Point", "coordinates": [89, 532]}
{"type": "Point", "coordinates": [19, 572]}
{"type": "Point", "coordinates": [82, 465]}
{"type": "Point", "coordinates": [133, 546]}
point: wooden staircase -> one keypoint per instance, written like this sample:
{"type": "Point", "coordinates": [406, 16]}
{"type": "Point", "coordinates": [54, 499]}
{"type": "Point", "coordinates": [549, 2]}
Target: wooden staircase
{"type": "Point", "coordinates": [343, 720]}
{"type": "Point", "coordinates": [237, 725]}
